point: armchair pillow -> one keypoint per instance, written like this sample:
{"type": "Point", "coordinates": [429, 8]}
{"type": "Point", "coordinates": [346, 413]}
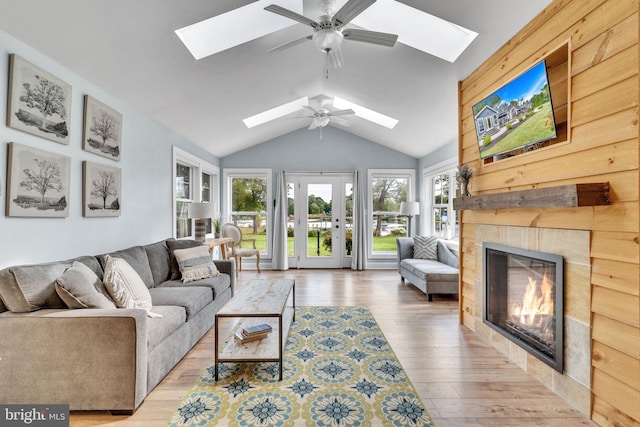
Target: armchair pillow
{"type": "Point", "coordinates": [126, 286]}
{"type": "Point", "coordinates": [195, 263]}
{"type": "Point", "coordinates": [425, 247]}
{"type": "Point", "coordinates": [80, 287]}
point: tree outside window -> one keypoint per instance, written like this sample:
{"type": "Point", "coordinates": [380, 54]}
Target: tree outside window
{"type": "Point", "coordinates": [388, 189]}
{"type": "Point", "coordinates": [249, 208]}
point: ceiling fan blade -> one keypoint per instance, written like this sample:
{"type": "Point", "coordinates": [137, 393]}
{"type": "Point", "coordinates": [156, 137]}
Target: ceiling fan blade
{"type": "Point", "coordinates": [339, 121]}
{"type": "Point", "coordinates": [342, 112]}
{"type": "Point", "coordinates": [350, 10]}
{"type": "Point", "coordinates": [373, 37]}
{"type": "Point", "coordinates": [313, 125]}
{"type": "Point", "coordinates": [279, 10]}
{"type": "Point", "coordinates": [335, 58]}
{"type": "Point", "coordinates": [301, 117]}
{"type": "Point", "coordinates": [308, 107]}
{"type": "Point", "coordinates": [289, 44]}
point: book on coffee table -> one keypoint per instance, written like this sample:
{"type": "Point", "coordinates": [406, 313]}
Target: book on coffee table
{"type": "Point", "coordinates": [256, 330]}
{"type": "Point", "coordinates": [242, 339]}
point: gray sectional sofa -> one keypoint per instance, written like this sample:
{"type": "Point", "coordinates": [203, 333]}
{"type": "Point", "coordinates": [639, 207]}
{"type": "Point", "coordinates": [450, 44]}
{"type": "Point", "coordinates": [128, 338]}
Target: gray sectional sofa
{"type": "Point", "coordinates": [102, 359]}
{"type": "Point", "coordinates": [431, 276]}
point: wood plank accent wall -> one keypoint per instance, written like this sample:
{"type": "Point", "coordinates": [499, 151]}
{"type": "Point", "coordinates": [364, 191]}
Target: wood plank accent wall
{"type": "Point", "coordinates": [602, 146]}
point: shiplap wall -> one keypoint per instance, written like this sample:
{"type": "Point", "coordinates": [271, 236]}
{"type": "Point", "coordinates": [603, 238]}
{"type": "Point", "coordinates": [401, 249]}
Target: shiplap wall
{"type": "Point", "coordinates": [602, 146]}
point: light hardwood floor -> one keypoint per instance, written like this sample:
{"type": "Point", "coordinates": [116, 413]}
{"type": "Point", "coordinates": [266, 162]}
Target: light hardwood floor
{"type": "Point", "coordinates": [462, 381]}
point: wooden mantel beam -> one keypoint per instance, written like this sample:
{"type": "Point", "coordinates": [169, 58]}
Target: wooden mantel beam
{"type": "Point", "coordinates": [564, 196]}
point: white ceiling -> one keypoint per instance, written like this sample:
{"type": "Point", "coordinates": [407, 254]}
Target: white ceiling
{"type": "Point", "coordinates": [129, 49]}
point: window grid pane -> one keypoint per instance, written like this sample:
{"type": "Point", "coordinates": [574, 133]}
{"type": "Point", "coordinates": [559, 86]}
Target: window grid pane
{"type": "Point", "coordinates": [249, 208]}
{"type": "Point", "coordinates": [440, 203]}
{"type": "Point", "coordinates": [387, 194]}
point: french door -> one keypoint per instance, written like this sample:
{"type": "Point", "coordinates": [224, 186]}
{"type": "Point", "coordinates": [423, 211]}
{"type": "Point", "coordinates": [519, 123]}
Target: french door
{"type": "Point", "coordinates": [321, 220]}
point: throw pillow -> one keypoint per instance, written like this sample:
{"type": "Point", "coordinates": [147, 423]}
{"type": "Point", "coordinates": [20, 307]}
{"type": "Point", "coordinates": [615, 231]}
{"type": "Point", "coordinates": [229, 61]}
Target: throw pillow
{"type": "Point", "coordinates": [80, 287]}
{"type": "Point", "coordinates": [179, 244]}
{"type": "Point", "coordinates": [126, 286]}
{"type": "Point", "coordinates": [31, 287]}
{"type": "Point", "coordinates": [195, 263]}
{"type": "Point", "coordinates": [425, 247]}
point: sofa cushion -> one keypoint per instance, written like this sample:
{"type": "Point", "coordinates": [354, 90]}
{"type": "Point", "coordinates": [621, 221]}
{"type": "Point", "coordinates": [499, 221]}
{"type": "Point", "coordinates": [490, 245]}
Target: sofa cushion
{"type": "Point", "coordinates": [191, 298]}
{"type": "Point", "coordinates": [80, 287]}
{"type": "Point", "coordinates": [217, 284]}
{"type": "Point", "coordinates": [195, 263]}
{"type": "Point", "coordinates": [173, 317]}
{"type": "Point", "coordinates": [125, 285]}
{"type": "Point", "coordinates": [31, 287]}
{"type": "Point", "coordinates": [430, 270]}
{"type": "Point", "coordinates": [425, 247]}
{"type": "Point", "coordinates": [179, 244]}
{"type": "Point", "coordinates": [159, 261]}
{"type": "Point", "coordinates": [137, 258]}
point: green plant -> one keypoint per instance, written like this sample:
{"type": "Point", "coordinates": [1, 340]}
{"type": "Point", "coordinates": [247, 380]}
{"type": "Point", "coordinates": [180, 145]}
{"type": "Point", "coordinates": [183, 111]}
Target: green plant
{"type": "Point", "coordinates": [486, 141]}
{"type": "Point", "coordinates": [509, 126]}
{"type": "Point", "coordinates": [216, 224]}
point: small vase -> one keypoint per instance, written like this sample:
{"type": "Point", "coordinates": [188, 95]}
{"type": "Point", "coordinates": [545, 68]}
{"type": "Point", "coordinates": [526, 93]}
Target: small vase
{"type": "Point", "coordinates": [464, 189]}
{"type": "Point", "coordinates": [216, 234]}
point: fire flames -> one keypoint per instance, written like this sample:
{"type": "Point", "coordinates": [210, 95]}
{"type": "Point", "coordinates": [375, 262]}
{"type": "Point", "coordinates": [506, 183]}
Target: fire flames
{"type": "Point", "coordinates": [537, 303]}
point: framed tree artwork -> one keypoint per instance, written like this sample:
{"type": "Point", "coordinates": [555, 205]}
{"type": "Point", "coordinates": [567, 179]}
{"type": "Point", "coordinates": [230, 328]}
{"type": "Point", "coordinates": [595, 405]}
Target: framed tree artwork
{"type": "Point", "coordinates": [102, 130]}
{"type": "Point", "coordinates": [37, 182]}
{"type": "Point", "coordinates": [101, 190]}
{"type": "Point", "coordinates": [38, 102]}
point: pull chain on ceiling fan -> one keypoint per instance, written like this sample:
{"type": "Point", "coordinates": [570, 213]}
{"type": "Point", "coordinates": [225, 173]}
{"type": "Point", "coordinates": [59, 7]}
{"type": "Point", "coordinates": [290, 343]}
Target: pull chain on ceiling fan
{"type": "Point", "coordinates": [329, 30]}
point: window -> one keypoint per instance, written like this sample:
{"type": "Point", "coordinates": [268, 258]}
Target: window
{"type": "Point", "coordinates": [195, 181]}
{"type": "Point", "coordinates": [387, 189]}
{"type": "Point", "coordinates": [248, 192]}
{"type": "Point", "coordinates": [440, 187]}
{"type": "Point", "coordinates": [184, 196]}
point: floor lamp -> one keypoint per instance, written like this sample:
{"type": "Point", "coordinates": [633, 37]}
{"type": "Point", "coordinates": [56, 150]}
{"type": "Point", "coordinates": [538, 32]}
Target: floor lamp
{"type": "Point", "coordinates": [201, 212]}
{"type": "Point", "coordinates": [409, 209]}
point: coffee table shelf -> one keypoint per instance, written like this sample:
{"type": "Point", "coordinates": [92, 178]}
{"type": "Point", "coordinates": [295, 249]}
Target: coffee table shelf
{"type": "Point", "coordinates": [259, 301]}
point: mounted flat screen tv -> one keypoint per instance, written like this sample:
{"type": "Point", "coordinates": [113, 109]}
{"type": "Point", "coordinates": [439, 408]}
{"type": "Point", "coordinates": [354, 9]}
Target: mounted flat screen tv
{"type": "Point", "coordinates": [518, 115]}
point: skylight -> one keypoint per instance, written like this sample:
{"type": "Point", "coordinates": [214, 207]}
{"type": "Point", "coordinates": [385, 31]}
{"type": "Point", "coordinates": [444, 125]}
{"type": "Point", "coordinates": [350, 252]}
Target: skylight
{"type": "Point", "coordinates": [365, 113]}
{"type": "Point", "coordinates": [235, 27]}
{"type": "Point", "coordinates": [276, 112]}
{"type": "Point", "coordinates": [417, 29]}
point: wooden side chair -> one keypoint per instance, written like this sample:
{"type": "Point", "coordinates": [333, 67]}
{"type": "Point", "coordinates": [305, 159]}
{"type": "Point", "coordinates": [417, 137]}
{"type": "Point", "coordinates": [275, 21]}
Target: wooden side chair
{"type": "Point", "coordinates": [235, 247]}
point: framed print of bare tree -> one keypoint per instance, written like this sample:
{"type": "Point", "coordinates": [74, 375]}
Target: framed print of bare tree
{"type": "Point", "coordinates": [101, 190]}
{"type": "Point", "coordinates": [38, 102]}
{"type": "Point", "coordinates": [37, 182]}
{"type": "Point", "coordinates": [102, 131]}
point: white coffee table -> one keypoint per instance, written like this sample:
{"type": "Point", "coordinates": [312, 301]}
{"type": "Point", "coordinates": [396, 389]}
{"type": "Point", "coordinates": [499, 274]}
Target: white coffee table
{"type": "Point", "coordinates": [259, 301]}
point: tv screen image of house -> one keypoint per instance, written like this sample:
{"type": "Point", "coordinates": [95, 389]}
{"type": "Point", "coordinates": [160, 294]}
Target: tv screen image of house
{"type": "Point", "coordinates": [517, 115]}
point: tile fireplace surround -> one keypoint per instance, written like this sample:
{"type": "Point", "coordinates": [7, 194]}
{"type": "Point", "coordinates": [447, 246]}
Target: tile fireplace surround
{"type": "Point", "coordinates": [574, 245]}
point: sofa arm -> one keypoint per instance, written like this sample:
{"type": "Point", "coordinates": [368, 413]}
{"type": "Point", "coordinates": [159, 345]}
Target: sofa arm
{"type": "Point", "coordinates": [404, 246]}
{"type": "Point", "coordinates": [227, 266]}
{"type": "Point", "coordinates": [90, 359]}
{"type": "Point", "coordinates": [446, 256]}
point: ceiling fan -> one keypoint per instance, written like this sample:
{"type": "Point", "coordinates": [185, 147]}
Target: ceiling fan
{"type": "Point", "coordinates": [321, 116]}
{"type": "Point", "coordinates": [329, 29]}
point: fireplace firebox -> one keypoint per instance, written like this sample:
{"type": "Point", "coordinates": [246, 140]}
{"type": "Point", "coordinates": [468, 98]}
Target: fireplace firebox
{"type": "Point", "coordinates": [524, 299]}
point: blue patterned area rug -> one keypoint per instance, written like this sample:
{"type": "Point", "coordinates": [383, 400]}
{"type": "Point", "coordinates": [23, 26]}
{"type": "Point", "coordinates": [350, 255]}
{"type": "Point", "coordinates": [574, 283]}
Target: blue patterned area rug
{"type": "Point", "coordinates": [339, 370]}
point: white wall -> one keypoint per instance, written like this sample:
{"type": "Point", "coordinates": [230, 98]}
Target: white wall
{"type": "Point", "coordinates": [146, 178]}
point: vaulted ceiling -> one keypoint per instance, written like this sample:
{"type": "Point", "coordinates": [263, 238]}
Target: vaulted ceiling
{"type": "Point", "coordinates": [130, 49]}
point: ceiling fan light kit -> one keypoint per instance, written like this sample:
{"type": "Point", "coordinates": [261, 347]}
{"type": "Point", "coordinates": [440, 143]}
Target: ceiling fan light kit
{"type": "Point", "coordinates": [328, 30]}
